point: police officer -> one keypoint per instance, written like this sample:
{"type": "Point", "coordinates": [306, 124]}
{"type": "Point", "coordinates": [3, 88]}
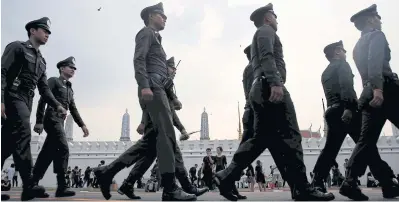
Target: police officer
{"type": "Point", "coordinates": [378, 102]}
{"type": "Point", "coordinates": [152, 75]}
{"type": "Point", "coordinates": [55, 147]}
{"type": "Point", "coordinates": [342, 116]}
{"type": "Point", "coordinates": [22, 69]}
{"type": "Point", "coordinates": [145, 162]}
{"type": "Point", "coordinates": [155, 91]}
{"type": "Point", "coordinates": [143, 154]}
{"type": "Point", "coordinates": [276, 127]}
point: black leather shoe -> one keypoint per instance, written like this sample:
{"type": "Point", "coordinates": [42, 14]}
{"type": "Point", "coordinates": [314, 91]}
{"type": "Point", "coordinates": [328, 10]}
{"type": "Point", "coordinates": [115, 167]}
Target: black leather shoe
{"type": "Point", "coordinates": [128, 190]}
{"type": "Point", "coordinates": [197, 191]}
{"type": "Point", "coordinates": [104, 181]}
{"type": "Point", "coordinates": [224, 189]}
{"type": "Point", "coordinates": [177, 195]}
{"type": "Point", "coordinates": [352, 191]}
{"type": "Point", "coordinates": [390, 192]}
{"type": "Point", "coordinates": [237, 194]}
{"type": "Point", "coordinates": [64, 192]}
{"type": "Point", "coordinates": [314, 195]}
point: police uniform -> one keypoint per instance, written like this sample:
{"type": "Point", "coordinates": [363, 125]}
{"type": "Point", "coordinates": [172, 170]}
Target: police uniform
{"type": "Point", "coordinates": [276, 127]}
{"type": "Point", "coordinates": [55, 148]}
{"type": "Point", "coordinates": [23, 68]}
{"type": "Point", "coordinates": [372, 56]}
{"type": "Point", "coordinates": [143, 154]}
{"type": "Point", "coordinates": [339, 98]}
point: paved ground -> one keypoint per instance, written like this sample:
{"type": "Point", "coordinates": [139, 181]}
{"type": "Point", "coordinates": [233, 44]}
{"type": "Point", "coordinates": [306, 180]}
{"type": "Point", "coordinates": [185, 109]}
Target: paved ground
{"type": "Point", "coordinates": [270, 195]}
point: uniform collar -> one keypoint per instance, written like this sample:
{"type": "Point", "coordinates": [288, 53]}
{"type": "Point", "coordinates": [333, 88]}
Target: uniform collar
{"type": "Point", "coordinates": [64, 81]}
{"type": "Point", "coordinates": [30, 45]}
{"type": "Point", "coordinates": [368, 30]}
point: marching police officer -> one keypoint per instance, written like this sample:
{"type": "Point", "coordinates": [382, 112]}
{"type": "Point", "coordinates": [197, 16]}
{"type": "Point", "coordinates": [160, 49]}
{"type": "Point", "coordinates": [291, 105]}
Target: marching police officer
{"type": "Point", "coordinates": [152, 76]}
{"type": "Point", "coordinates": [145, 162]}
{"type": "Point", "coordinates": [378, 102]}
{"type": "Point", "coordinates": [144, 153]}
{"type": "Point", "coordinates": [22, 69]}
{"type": "Point", "coordinates": [342, 116]}
{"type": "Point", "coordinates": [275, 119]}
{"type": "Point", "coordinates": [55, 147]}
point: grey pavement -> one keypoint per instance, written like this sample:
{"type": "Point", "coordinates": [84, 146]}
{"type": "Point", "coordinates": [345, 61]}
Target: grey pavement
{"type": "Point", "coordinates": [270, 195]}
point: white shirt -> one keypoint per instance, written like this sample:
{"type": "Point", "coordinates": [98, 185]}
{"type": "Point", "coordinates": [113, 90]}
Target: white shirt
{"type": "Point", "coordinates": [10, 173]}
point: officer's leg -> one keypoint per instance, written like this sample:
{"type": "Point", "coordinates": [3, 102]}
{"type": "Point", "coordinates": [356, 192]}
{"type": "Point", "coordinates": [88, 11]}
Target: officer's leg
{"type": "Point", "coordinates": [182, 176]}
{"type": "Point", "coordinates": [161, 116]}
{"type": "Point", "coordinates": [248, 151]}
{"type": "Point", "coordinates": [291, 149]}
{"type": "Point", "coordinates": [248, 124]}
{"type": "Point", "coordinates": [142, 165]}
{"type": "Point", "coordinates": [373, 120]}
{"type": "Point", "coordinates": [378, 165]}
{"type": "Point", "coordinates": [138, 170]}
{"type": "Point", "coordinates": [61, 158]}
{"type": "Point", "coordinates": [45, 157]}
{"type": "Point", "coordinates": [21, 131]}
{"type": "Point", "coordinates": [335, 136]}
{"type": "Point", "coordinates": [105, 174]}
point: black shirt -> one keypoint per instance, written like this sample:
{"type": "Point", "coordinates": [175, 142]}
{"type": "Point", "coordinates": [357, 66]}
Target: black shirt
{"type": "Point", "coordinates": [149, 57]}
{"type": "Point", "coordinates": [22, 60]}
{"type": "Point", "coordinates": [63, 92]}
{"type": "Point", "coordinates": [372, 56]}
{"type": "Point", "coordinates": [207, 164]}
{"type": "Point", "coordinates": [337, 81]}
{"type": "Point", "coordinates": [220, 162]}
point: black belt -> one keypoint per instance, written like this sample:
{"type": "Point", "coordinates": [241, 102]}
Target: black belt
{"type": "Point", "coordinates": [167, 82]}
{"type": "Point", "coordinates": [27, 91]}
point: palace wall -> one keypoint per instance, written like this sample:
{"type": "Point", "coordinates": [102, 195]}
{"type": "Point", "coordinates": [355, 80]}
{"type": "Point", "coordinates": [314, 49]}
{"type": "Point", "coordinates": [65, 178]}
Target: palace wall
{"type": "Point", "coordinates": [85, 154]}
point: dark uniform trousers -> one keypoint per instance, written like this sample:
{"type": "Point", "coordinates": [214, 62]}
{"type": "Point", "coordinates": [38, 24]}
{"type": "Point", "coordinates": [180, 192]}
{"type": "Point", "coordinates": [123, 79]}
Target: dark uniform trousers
{"type": "Point", "coordinates": [337, 131]}
{"type": "Point", "coordinates": [16, 133]}
{"type": "Point", "coordinates": [55, 148]}
{"type": "Point", "coordinates": [276, 128]}
{"type": "Point", "coordinates": [373, 120]}
{"type": "Point", "coordinates": [149, 147]}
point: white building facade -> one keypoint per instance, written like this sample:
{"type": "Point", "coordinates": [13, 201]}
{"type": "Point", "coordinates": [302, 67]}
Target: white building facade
{"type": "Point", "coordinates": [85, 154]}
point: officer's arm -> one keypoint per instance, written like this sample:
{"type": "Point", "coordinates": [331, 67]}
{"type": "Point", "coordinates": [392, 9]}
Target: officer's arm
{"type": "Point", "coordinates": [176, 121]}
{"type": "Point", "coordinates": [170, 93]}
{"type": "Point", "coordinates": [44, 87]}
{"type": "Point", "coordinates": [376, 56]}
{"type": "Point", "coordinates": [244, 82]}
{"type": "Point", "coordinates": [265, 43]}
{"type": "Point", "coordinates": [143, 44]}
{"type": "Point", "coordinates": [41, 106]}
{"type": "Point", "coordinates": [8, 59]}
{"type": "Point", "coordinates": [144, 117]}
{"type": "Point", "coordinates": [345, 80]}
{"type": "Point", "coordinates": [75, 113]}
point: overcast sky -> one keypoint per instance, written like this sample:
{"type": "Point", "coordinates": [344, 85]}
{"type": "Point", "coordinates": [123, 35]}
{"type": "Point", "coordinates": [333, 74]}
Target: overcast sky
{"type": "Point", "coordinates": [208, 36]}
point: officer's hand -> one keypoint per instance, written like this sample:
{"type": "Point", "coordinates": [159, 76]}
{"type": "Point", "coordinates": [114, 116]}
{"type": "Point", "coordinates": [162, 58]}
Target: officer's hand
{"type": "Point", "coordinates": [184, 136]}
{"type": "Point", "coordinates": [146, 94]}
{"type": "Point", "coordinates": [177, 104]}
{"type": "Point", "coordinates": [38, 128]}
{"type": "Point", "coordinates": [378, 98]}
{"type": "Point", "coordinates": [140, 129]}
{"type": "Point", "coordinates": [276, 94]}
{"type": "Point", "coordinates": [347, 116]}
{"type": "Point", "coordinates": [85, 131]}
{"type": "Point", "coordinates": [61, 111]}
{"type": "Point", "coordinates": [3, 111]}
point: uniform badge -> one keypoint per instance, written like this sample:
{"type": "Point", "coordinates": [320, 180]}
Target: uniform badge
{"type": "Point", "coordinates": [49, 23]}
{"type": "Point", "coordinates": [73, 60]}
